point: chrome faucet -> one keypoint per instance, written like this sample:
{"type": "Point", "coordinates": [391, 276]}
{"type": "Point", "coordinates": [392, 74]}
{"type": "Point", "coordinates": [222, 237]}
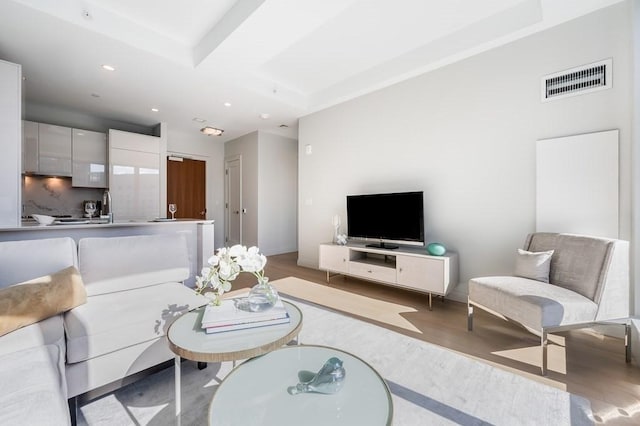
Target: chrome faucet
{"type": "Point", "coordinates": [107, 209]}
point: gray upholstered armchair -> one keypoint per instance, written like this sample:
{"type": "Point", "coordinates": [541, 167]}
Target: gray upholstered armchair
{"type": "Point", "coordinates": [562, 282]}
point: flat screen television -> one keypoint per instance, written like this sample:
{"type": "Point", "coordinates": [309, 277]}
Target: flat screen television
{"type": "Point", "coordinates": [388, 219]}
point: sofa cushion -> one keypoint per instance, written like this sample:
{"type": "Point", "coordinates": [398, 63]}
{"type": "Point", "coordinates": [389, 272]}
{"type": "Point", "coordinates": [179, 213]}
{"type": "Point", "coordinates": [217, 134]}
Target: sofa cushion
{"type": "Point", "coordinates": [578, 262]}
{"type": "Point", "coordinates": [141, 261]}
{"type": "Point", "coordinates": [109, 322]}
{"type": "Point", "coordinates": [33, 388]}
{"type": "Point", "coordinates": [530, 302]}
{"type": "Point", "coordinates": [533, 265]}
{"type": "Point", "coordinates": [34, 300]}
{"type": "Point", "coordinates": [24, 260]}
{"type": "Point", "coordinates": [46, 332]}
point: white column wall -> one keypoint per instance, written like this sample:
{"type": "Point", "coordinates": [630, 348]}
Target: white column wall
{"type": "Point", "coordinates": [278, 194]}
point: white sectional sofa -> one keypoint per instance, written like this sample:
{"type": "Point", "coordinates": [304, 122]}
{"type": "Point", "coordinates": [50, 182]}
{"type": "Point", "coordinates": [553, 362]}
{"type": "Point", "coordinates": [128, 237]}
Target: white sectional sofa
{"type": "Point", "coordinates": [32, 358]}
{"type": "Point", "coordinates": [134, 291]}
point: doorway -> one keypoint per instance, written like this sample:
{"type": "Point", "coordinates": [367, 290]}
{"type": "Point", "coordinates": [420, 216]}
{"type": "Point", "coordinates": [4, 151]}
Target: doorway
{"type": "Point", "coordinates": [233, 200]}
{"type": "Point", "coordinates": [186, 187]}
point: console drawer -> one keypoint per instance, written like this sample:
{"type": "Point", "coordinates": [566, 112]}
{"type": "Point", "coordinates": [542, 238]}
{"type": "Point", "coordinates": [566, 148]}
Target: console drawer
{"type": "Point", "coordinates": [372, 272]}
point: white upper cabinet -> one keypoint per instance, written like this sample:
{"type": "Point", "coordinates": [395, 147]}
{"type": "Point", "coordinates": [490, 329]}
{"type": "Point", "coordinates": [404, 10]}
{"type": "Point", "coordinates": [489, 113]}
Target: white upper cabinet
{"type": "Point", "coordinates": [89, 155]}
{"type": "Point", "coordinates": [134, 175]}
{"type": "Point", "coordinates": [30, 147]}
{"type": "Point", "coordinates": [54, 150]}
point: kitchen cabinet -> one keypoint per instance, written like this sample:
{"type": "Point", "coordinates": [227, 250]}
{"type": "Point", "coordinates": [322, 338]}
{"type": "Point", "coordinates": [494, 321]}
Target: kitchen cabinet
{"type": "Point", "coordinates": [89, 159]}
{"type": "Point", "coordinates": [30, 147]}
{"type": "Point", "coordinates": [54, 150]}
{"type": "Point", "coordinates": [134, 175]}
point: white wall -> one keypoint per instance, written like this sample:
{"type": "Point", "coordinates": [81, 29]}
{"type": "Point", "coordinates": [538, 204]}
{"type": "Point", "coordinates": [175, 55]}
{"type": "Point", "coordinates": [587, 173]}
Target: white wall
{"type": "Point", "coordinates": [465, 135]}
{"type": "Point", "coordinates": [10, 141]}
{"type": "Point", "coordinates": [197, 146]}
{"type": "Point", "coordinates": [52, 114]}
{"type": "Point", "coordinates": [247, 147]}
{"type": "Point", "coordinates": [277, 194]}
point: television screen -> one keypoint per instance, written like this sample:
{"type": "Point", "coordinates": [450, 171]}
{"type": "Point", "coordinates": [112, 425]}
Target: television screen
{"type": "Point", "coordinates": [387, 218]}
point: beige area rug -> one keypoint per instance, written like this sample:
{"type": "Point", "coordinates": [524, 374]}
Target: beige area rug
{"type": "Point", "coordinates": [429, 384]}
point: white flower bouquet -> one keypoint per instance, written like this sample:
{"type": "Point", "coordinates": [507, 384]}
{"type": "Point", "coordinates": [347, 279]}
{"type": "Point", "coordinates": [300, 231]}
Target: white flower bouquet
{"type": "Point", "coordinates": [225, 266]}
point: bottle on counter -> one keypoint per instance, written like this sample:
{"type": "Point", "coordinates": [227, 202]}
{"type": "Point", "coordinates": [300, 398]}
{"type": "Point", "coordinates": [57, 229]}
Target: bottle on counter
{"type": "Point", "coordinates": [107, 212]}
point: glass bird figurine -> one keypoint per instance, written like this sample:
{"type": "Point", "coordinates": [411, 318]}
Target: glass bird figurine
{"type": "Point", "coordinates": [328, 380]}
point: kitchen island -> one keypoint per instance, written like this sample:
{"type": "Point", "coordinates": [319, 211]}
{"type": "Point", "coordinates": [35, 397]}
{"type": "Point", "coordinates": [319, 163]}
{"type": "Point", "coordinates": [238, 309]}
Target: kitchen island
{"type": "Point", "coordinates": [199, 233]}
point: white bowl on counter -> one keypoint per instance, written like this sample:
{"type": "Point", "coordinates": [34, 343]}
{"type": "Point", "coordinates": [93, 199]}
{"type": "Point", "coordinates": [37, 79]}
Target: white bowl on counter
{"type": "Point", "coordinates": [43, 219]}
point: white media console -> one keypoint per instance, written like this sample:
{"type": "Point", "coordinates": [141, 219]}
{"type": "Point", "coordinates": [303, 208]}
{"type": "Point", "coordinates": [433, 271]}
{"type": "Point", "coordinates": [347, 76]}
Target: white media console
{"type": "Point", "coordinates": [410, 268]}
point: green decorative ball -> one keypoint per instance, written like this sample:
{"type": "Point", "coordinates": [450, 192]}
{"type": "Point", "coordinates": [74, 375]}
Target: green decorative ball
{"type": "Point", "coordinates": [436, 249]}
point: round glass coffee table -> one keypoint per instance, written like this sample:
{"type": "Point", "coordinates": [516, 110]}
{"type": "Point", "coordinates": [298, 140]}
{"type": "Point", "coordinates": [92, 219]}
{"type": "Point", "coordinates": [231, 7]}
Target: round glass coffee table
{"type": "Point", "coordinates": [187, 339]}
{"type": "Point", "coordinates": [257, 392]}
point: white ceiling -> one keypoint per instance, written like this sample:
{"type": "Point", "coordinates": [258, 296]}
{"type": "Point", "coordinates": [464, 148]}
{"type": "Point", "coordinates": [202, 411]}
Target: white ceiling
{"type": "Point", "coordinates": [284, 58]}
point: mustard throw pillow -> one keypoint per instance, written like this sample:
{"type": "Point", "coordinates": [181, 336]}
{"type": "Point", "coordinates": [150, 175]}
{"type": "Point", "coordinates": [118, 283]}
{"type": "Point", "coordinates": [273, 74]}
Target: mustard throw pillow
{"type": "Point", "coordinates": [34, 300]}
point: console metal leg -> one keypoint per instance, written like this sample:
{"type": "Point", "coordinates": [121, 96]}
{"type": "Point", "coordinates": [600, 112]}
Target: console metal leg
{"type": "Point", "coordinates": [627, 342]}
{"type": "Point", "coordinates": [469, 316]}
{"type": "Point", "coordinates": [543, 344]}
{"type": "Point", "coordinates": [327, 276]}
{"type": "Point", "coordinates": [430, 301]}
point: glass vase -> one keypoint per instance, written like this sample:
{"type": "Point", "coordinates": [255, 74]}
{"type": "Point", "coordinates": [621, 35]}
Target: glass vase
{"type": "Point", "coordinates": [262, 296]}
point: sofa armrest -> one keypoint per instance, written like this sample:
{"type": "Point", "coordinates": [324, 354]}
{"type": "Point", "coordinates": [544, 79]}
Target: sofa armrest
{"type": "Point", "coordinates": [614, 299]}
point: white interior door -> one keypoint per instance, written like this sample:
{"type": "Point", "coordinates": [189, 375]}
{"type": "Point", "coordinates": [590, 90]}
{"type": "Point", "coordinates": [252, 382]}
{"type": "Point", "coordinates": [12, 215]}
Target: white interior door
{"type": "Point", "coordinates": [233, 201]}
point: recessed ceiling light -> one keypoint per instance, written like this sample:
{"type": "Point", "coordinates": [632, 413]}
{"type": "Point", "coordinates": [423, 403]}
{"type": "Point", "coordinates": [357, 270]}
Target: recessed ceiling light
{"type": "Point", "coordinates": [108, 67]}
{"type": "Point", "coordinates": [264, 116]}
{"type": "Point", "coordinates": [155, 109]}
{"type": "Point", "coordinates": [95, 95]}
{"type": "Point", "coordinates": [199, 120]}
{"type": "Point", "coordinates": [227, 104]}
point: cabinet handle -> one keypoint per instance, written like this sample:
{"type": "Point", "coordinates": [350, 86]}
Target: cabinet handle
{"type": "Point", "coordinates": [370, 271]}
{"type": "Point", "coordinates": [400, 270]}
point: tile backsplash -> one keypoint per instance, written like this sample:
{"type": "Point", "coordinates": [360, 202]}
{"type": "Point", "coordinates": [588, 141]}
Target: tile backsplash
{"type": "Point", "coordinates": [55, 196]}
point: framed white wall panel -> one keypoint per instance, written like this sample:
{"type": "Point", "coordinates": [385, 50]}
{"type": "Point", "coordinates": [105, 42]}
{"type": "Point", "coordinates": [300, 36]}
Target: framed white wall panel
{"type": "Point", "coordinates": [577, 184]}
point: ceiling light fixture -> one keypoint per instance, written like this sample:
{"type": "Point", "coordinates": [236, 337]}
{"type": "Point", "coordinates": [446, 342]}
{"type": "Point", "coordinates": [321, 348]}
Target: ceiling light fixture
{"type": "Point", "coordinates": [108, 67]}
{"type": "Point", "coordinates": [199, 120]}
{"type": "Point", "coordinates": [264, 115]}
{"type": "Point", "coordinates": [227, 104]}
{"type": "Point", "coordinates": [211, 131]}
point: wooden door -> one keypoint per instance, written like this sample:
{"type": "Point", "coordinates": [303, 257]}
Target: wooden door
{"type": "Point", "coordinates": [186, 187]}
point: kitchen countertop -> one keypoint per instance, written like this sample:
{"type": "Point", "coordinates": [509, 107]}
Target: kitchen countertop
{"type": "Point", "coordinates": [34, 226]}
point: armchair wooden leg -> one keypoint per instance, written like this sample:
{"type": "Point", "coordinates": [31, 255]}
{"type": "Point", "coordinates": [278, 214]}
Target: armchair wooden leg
{"type": "Point", "coordinates": [543, 344]}
{"type": "Point", "coordinates": [469, 316]}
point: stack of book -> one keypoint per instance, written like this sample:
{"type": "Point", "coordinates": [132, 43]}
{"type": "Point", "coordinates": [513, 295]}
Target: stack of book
{"type": "Point", "coordinates": [230, 315]}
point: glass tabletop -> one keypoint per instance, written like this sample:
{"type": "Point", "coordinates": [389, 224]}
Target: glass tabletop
{"type": "Point", "coordinates": [256, 392]}
{"type": "Point", "coordinates": [189, 340]}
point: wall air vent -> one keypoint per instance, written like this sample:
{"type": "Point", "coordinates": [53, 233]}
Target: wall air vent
{"type": "Point", "coordinates": [577, 81]}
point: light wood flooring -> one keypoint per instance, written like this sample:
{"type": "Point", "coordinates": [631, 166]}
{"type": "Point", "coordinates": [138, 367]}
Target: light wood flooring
{"type": "Point", "coordinates": [581, 362]}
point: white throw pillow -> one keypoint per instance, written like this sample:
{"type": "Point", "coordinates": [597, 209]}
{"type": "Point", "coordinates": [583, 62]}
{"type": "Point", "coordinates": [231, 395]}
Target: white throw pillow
{"type": "Point", "coordinates": [533, 265]}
